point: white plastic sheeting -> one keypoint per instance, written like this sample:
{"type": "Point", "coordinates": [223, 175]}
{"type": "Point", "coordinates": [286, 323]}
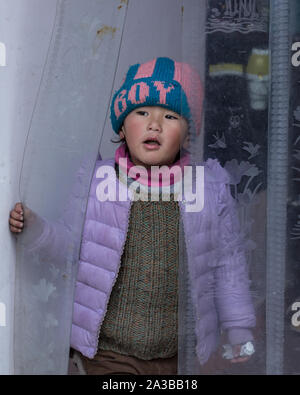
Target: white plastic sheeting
{"type": "Point", "coordinates": [24, 34]}
{"type": "Point", "coordinates": [64, 134]}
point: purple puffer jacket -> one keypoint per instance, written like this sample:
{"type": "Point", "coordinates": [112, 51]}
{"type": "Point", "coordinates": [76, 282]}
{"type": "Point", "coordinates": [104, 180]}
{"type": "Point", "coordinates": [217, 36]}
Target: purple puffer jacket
{"type": "Point", "coordinates": [217, 266]}
{"type": "Point", "coordinates": [216, 262]}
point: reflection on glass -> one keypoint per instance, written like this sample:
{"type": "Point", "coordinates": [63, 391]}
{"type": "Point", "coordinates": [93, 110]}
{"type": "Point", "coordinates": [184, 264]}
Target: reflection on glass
{"type": "Point", "coordinates": [236, 125]}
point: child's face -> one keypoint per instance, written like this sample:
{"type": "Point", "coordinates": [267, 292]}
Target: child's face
{"type": "Point", "coordinates": [154, 135]}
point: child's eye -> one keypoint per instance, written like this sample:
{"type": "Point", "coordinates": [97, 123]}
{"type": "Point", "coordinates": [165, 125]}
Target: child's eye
{"type": "Point", "coordinates": [141, 112]}
{"type": "Point", "coordinates": [169, 116]}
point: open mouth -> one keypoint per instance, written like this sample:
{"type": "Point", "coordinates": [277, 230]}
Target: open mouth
{"type": "Point", "coordinates": [152, 141]}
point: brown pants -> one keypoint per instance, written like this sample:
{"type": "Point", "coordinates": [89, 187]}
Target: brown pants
{"type": "Point", "coordinates": [109, 362]}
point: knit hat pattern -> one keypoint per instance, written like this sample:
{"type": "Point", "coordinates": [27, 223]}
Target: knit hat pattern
{"type": "Point", "coordinates": [159, 82]}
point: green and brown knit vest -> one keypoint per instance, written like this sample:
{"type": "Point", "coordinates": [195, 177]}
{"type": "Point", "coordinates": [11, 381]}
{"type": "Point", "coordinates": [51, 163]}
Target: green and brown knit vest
{"type": "Point", "coordinates": [141, 318]}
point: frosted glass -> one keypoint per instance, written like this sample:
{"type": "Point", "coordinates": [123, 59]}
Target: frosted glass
{"type": "Point", "coordinates": [225, 46]}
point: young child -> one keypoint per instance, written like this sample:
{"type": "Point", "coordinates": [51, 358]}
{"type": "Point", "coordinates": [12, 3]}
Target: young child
{"type": "Point", "coordinates": [125, 315]}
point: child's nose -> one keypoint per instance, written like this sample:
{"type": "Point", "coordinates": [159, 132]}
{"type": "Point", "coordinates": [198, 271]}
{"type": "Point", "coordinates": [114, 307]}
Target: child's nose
{"type": "Point", "coordinates": [154, 124]}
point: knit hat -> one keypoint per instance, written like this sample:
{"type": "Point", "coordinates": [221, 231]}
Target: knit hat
{"type": "Point", "coordinates": [159, 82]}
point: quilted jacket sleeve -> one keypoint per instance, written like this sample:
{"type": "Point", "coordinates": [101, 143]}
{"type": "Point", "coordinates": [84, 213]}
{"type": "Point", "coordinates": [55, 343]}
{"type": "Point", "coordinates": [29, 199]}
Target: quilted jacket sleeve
{"type": "Point", "coordinates": [232, 293]}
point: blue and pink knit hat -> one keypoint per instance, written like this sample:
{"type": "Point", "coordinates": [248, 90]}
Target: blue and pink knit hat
{"type": "Point", "coordinates": [159, 82]}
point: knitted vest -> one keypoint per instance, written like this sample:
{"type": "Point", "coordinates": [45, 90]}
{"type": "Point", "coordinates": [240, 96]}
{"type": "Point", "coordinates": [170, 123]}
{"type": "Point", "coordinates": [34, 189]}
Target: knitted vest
{"type": "Point", "coordinates": [141, 318]}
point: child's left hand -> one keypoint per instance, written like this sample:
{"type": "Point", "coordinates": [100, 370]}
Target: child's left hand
{"type": "Point", "coordinates": [236, 352]}
{"type": "Point", "coordinates": [239, 352]}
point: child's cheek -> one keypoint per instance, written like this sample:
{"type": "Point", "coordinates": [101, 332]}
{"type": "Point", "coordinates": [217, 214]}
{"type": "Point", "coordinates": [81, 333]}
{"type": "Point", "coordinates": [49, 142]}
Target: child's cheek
{"type": "Point", "coordinates": [136, 127]}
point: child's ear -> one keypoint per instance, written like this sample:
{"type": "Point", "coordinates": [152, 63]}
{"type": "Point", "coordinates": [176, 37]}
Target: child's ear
{"type": "Point", "coordinates": [186, 141]}
{"type": "Point", "coordinates": [121, 133]}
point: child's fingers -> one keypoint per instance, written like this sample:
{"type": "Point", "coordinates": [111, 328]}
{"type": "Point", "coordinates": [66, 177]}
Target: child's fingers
{"type": "Point", "coordinates": [16, 219]}
{"type": "Point", "coordinates": [16, 215]}
{"type": "Point", "coordinates": [16, 222]}
{"type": "Point", "coordinates": [15, 225]}
{"type": "Point", "coordinates": [19, 208]}
{"type": "Point", "coordinates": [13, 229]}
